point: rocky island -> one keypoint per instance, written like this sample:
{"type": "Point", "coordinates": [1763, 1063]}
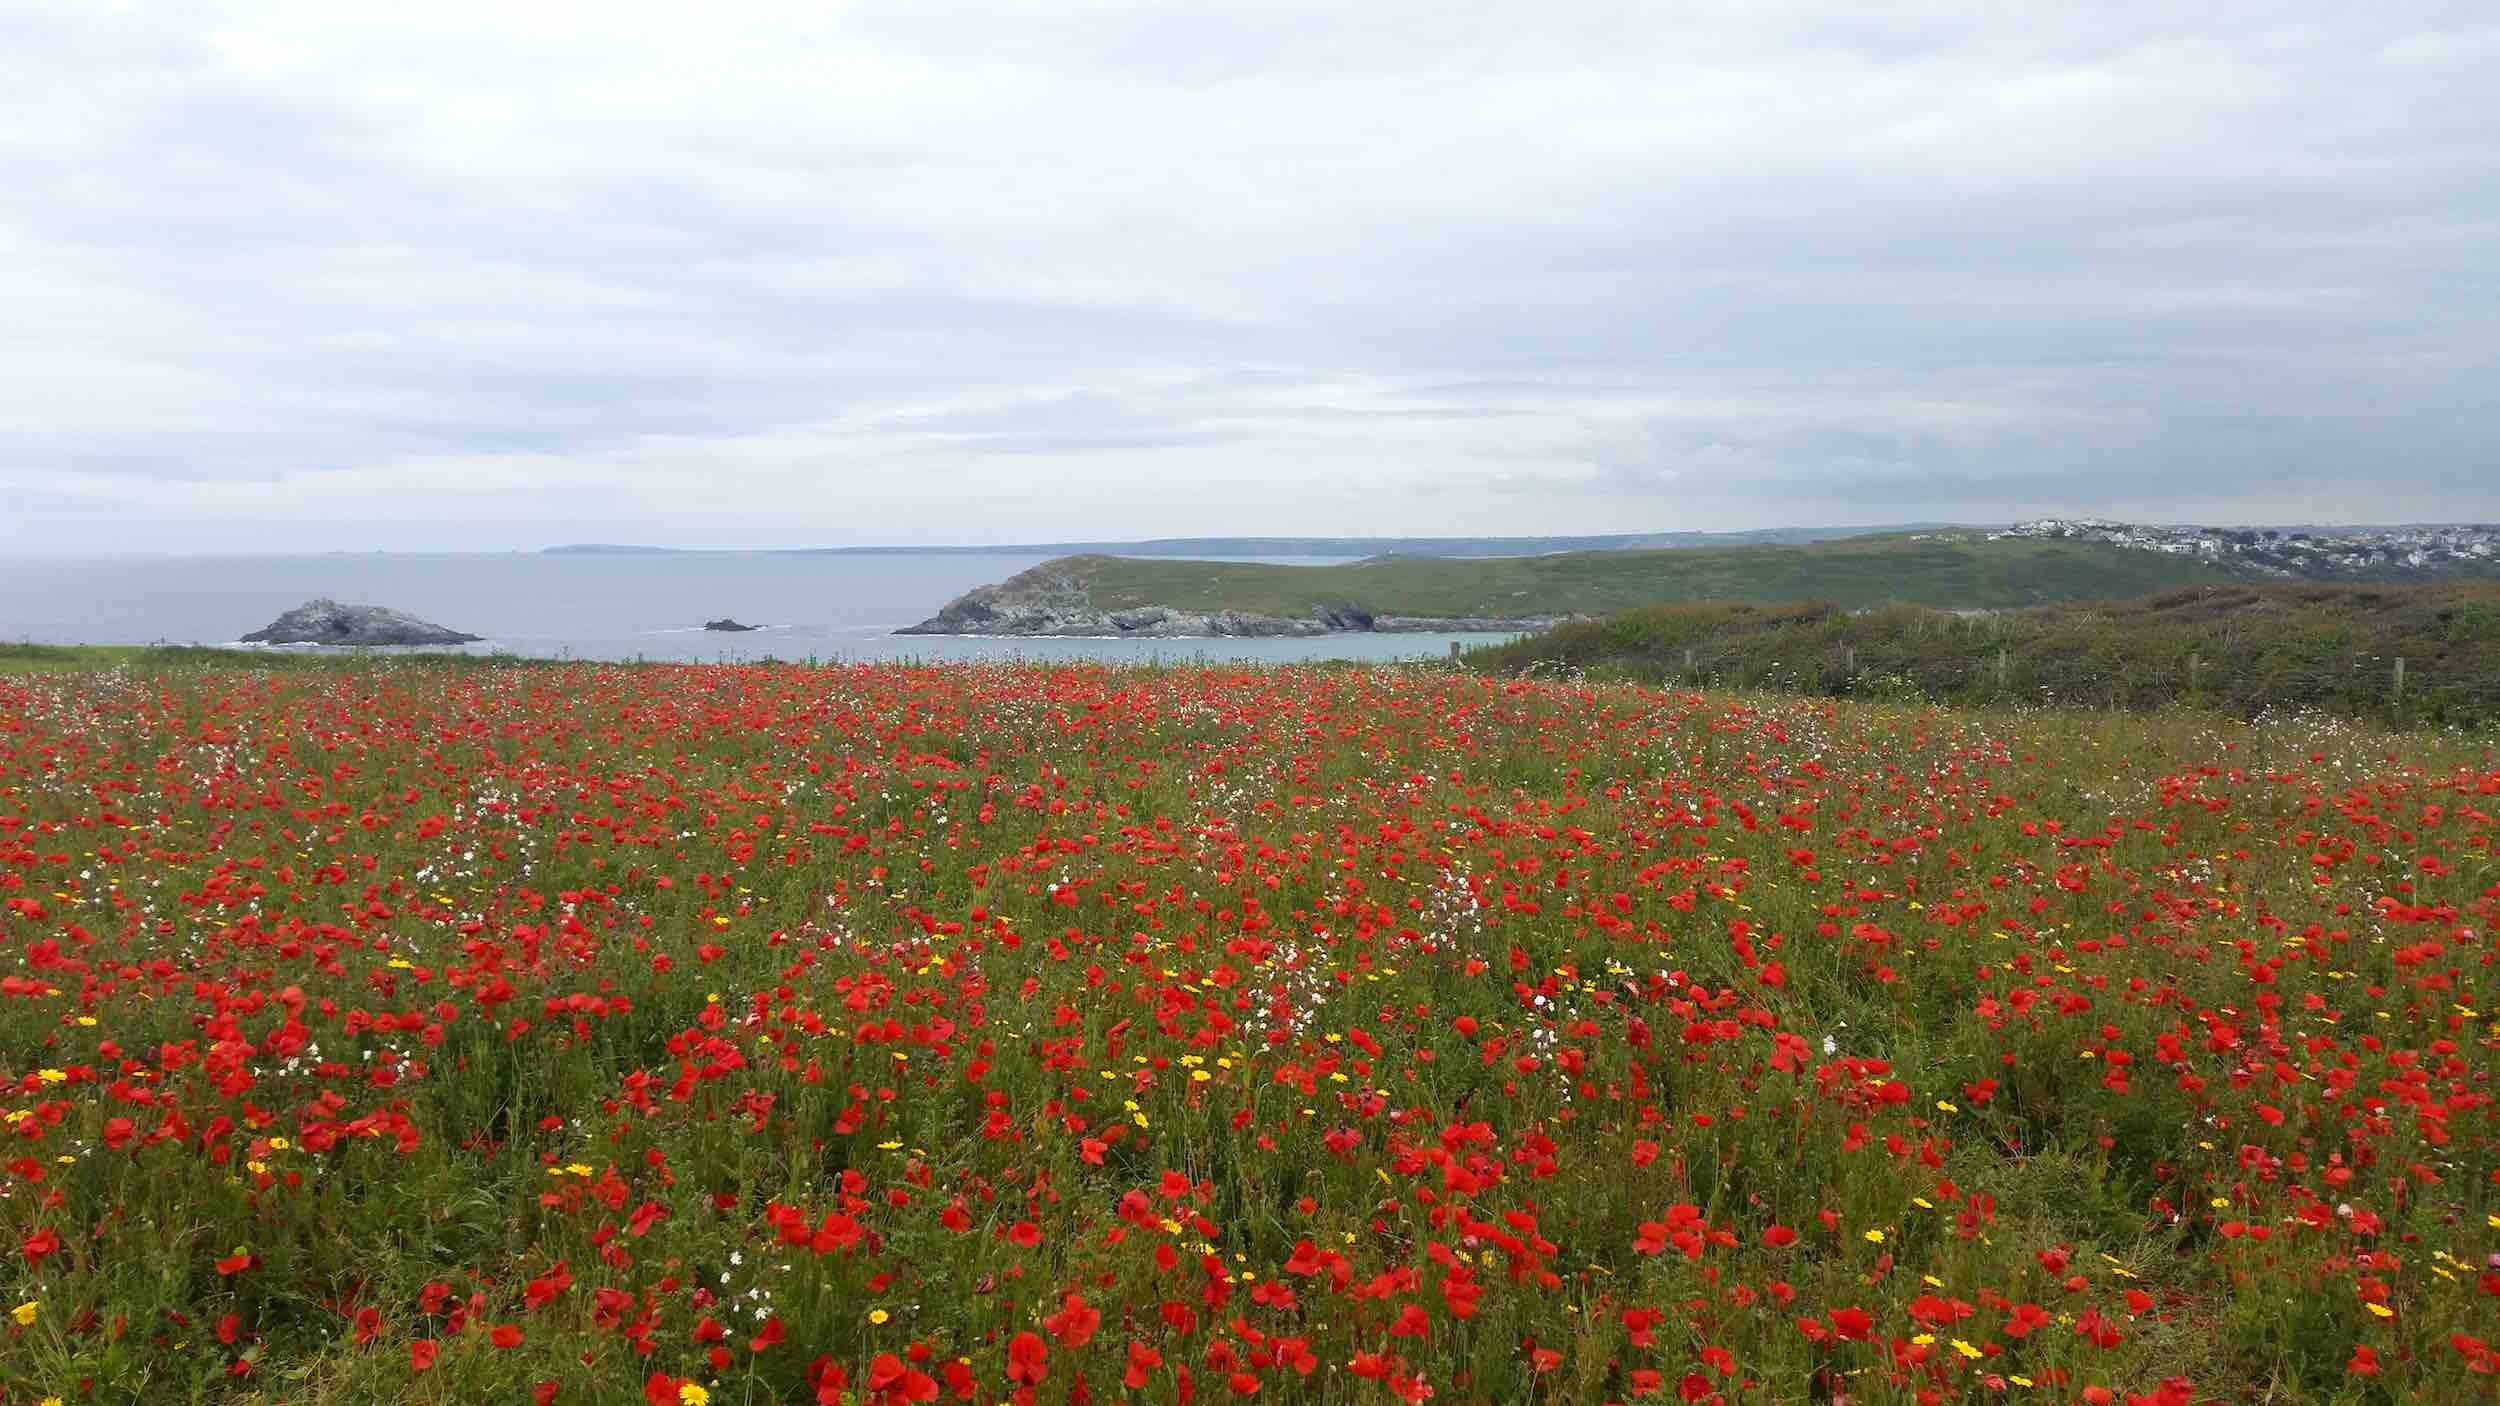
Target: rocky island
{"type": "Point", "coordinates": [325, 621]}
{"type": "Point", "coordinates": [725, 623]}
{"type": "Point", "coordinates": [1056, 599]}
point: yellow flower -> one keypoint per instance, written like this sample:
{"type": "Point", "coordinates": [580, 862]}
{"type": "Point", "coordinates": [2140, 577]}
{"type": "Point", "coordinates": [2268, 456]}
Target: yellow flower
{"type": "Point", "coordinates": [878, 1316]}
{"type": "Point", "coordinates": [1874, 1237]}
{"type": "Point", "coordinates": [24, 1313]}
{"type": "Point", "coordinates": [2381, 1310]}
{"type": "Point", "coordinates": [1966, 1349]}
{"type": "Point", "coordinates": [691, 1395]}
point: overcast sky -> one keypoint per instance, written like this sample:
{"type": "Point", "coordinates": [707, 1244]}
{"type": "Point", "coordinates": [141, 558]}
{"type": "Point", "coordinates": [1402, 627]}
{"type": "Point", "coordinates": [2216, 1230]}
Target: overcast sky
{"type": "Point", "coordinates": [454, 275]}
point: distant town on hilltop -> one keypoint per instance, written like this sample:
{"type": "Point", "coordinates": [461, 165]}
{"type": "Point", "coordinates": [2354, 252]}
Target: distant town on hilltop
{"type": "Point", "coordinates": [2296, 553]}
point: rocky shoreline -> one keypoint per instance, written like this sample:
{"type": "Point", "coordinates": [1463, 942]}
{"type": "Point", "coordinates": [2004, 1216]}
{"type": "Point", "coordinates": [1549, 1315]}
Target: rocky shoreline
{"type": "Point", "coordinates": [1049, 602]}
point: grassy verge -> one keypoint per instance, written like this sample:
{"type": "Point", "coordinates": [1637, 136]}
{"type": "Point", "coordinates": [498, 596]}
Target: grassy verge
{"type": "Point", "coordinates": [26, 658]}
{"type": "Point", "coordinates": [1945, 568]}
{"type": "Point", "coordinates": [2238, 650]}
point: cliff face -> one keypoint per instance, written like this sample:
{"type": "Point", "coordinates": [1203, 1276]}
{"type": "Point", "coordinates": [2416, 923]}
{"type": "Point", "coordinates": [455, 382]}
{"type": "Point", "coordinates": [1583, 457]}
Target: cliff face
{"type": "Point", "coordinates": [1051, 600]}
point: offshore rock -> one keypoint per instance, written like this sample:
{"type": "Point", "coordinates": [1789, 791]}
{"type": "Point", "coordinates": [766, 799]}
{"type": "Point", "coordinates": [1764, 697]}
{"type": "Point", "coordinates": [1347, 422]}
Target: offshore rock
{"type": "Point", "coordinates": [725, 623]}
{"type": "Point", "coordinates": [325, 621]}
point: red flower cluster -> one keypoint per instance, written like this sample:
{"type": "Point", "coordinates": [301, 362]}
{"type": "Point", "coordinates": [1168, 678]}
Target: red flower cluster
{"type": "Point", "coordinates": [1008, 1033]}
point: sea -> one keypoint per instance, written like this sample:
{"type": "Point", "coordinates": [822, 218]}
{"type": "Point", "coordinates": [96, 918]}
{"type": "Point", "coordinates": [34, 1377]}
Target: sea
{"type": "Point", "coordinates": [592, 606]}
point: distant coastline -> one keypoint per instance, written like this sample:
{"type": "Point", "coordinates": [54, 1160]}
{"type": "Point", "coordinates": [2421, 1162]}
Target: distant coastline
{"type": "Point", "coordinates": [1351, 547]}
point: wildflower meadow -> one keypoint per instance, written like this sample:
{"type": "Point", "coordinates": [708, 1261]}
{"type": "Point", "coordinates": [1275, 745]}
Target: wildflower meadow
{"type": "Point", "coordinates": [873, 1035]}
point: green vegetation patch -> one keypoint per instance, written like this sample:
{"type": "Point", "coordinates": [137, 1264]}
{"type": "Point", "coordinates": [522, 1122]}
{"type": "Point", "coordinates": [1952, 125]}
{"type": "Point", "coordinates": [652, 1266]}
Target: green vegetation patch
{"type": "Point", "coordinates": [1948, 569]}
{"type": "Point", "coordinates": [2239, 649]}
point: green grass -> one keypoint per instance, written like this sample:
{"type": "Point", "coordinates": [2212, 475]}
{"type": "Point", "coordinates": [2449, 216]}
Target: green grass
{"type": "Point", "coordinates": [1951, 568]}
{"type": "Point", "coordinates": [27, 658]}
{"type": "Point", "coordinates": [2235, 649]}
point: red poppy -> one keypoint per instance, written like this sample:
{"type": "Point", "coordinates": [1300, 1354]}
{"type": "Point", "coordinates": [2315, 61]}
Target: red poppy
{"type": "Point", "coordinates": [1028, 1359]}
{"type": "Point", "coordinates": [1074, 1324]}
{"type": "Point", "coordinates": [39, 1244]}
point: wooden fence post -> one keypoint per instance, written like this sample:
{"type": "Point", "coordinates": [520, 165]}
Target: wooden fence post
{"type": "Point", "coordinates": [1453, 651]}
{"type": "Point", "coordinates": [2400, 676]}
{"type": "Point", "coordinates": [2000, 668]}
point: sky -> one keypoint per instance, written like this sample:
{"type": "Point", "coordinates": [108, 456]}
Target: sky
{"type": "Point", "coordinates": [481, 276]}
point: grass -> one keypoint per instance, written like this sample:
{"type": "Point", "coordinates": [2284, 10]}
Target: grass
{"type": "Point", "coordinates": [2236, 649]}
{"type": "Point", "coordinates": [27, 658]}
{"type": "Point", "coordinates": [1945, 568]}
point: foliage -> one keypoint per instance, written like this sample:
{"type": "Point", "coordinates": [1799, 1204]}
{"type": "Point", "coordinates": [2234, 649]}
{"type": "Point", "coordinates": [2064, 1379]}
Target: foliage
{"type": "Point", "coordinates": [27, 657]}
{"type": "Point", "coordinates": [591, 1034]}
{"type": "Point", "coordinates": [2238, 649]}
{"type": "Point", "coordinates": [1942, 568]}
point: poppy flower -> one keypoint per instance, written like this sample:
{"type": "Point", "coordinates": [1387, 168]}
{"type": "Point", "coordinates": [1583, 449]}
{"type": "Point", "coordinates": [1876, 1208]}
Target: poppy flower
{"type": "Point", "coordinates": [1074, 1324]}
{"type": "Point", "coordinates": [1028, 1359]}
{"type": "Point", "coordinates": [38, 1244]}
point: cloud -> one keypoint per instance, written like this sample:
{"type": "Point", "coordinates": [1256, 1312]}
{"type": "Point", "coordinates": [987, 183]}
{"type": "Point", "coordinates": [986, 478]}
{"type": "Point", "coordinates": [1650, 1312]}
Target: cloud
{"type": "Point", "coordinates": [471, 275]}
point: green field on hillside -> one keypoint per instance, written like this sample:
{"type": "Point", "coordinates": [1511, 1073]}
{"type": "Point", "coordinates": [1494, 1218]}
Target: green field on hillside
{"type": "Point", "coordinates": [1938, 569]}
{"type": "Point", "coordinates": [2240, 649]}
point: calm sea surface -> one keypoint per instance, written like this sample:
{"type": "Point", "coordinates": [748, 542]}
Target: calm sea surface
{"type": "Point", "coordinates": [596, 607]}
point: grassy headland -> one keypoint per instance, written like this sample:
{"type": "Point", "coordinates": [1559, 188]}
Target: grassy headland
{"type": "Point", "coordinates": [2236, 648]}
{"type": "Point", "coordinates": [1944, 568]}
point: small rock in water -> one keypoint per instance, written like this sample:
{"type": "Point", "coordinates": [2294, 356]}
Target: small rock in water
{"type": "Point", "coordinates": [725, 623]}
{"type": "Point", "coordinates": [325, 621]}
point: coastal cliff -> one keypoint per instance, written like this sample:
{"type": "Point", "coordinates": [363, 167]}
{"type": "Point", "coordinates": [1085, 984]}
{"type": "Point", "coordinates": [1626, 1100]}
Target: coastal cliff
{"type": "Point", "coordinates": [1054, 600]}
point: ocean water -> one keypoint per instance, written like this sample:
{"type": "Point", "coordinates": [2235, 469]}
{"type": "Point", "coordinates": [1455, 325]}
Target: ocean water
{"type": "Point", "coordinates": [598, 606]}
